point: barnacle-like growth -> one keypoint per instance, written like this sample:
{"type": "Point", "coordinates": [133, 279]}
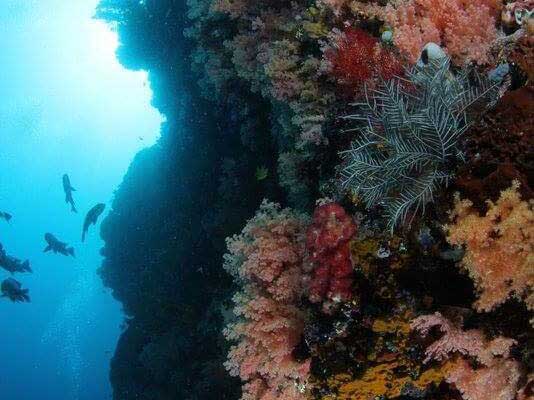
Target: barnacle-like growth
{"type": "Point", "coordinates": [408, 134]}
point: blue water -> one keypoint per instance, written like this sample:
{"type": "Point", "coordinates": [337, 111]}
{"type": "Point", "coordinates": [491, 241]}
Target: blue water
{"type": "Point", "coordinates": [67, 106]}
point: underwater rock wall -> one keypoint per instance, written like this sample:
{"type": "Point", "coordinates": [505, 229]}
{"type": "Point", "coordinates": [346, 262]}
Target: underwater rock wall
{"type": "Point", "coordinates": [164, 237]}
{"type": "Point", "coordinates": [397, 137]}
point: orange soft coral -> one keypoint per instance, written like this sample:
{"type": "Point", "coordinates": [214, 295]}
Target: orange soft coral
{"type": "Point", "coordinates": [266, 261]}
{"type": "Point", "coordinates": [499, 247]}
{"type": "Point", "coordinates": [465, 28]}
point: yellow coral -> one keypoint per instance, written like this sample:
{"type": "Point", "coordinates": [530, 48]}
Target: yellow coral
{"type": "Point", "coordinates": [391, 326]}
{"type": "Point", "coordinates": [384, 380]}
{"type": "Point", "coordinates": [499, 247]}
{"type": "Point", "coordinates": [389, 372]}
{"type": "Point", "coordinates": [315, 30]}
{"type": "Point", "coordinates": [363, 252]}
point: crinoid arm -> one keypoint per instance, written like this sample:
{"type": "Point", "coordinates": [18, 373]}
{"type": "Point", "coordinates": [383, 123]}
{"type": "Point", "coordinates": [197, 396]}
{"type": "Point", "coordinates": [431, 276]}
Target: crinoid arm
{"type": "Point", "coordinates": [407, 137]}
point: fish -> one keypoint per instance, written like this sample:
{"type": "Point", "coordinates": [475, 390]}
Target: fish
{"type": "Point", "coordinates": [92, 217]}
{"type": "Point", "coordinates": [12, 264]}
{"type": "Point", "coordinates": [5, 216]}
{"type": "Point", "coordinates": [57, 246]}
{"type": "Point", "coordinates": [262, 173]}
{"type": "Point", "coordinates": [68, 189]}
{"type": "Point", "coordinates": [12, 289]}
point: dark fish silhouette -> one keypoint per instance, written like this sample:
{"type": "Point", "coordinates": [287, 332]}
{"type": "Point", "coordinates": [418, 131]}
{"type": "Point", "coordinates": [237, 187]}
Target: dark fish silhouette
{"type": "Point", "coordinates": [68, 189]}
{"type": "Point", "coordinates": [12, 289]}
{"type": "Point", "coordinates": [5, 216]}
{"type": "Point", "coordinates": [57, 246]}
{"type": "Point", "coordinates": [92, 217]}
{"type": "Point", "coordinates": [12, 264]}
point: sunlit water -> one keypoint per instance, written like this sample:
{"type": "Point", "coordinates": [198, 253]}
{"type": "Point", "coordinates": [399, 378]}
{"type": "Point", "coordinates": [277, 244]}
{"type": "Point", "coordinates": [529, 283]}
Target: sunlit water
{"type": "Point", "coordinates": [65, 330]}
{"type": "Point", "coordinates": [67, 106]}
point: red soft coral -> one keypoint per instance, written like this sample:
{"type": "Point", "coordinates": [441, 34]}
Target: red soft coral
{"type": "Point", "coordinates": [327, 242]}
{"type": "Point", "coordinates": [359, 59]}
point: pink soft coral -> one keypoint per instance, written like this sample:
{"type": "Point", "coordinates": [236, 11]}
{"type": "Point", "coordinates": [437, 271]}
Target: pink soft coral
{"type": "Point", "coordinates": [499, 247]}
{"type": "Point", "coordinates": [263, 357]}
{"type": "Point", "coordinates": [471, 343]}
{"type": "Point", "coordinates": [465, 28]}
{"type": "Point", "coordinates": [497, 381]}
{"type": "Point", "coordinates": [498, 375]}
{"type": "Point", "coordinates": [454, 340]}
{"type": "Point", "coordinates": [266, 260]}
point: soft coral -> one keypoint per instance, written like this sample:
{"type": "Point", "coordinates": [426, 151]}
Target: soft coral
{"type": "Point", "coordinates": [327, 242]}
{"type": "Point", "coordinates": [266, 261]}
{"type": "Point", "coordinates": [466, 29]}
{"type": "Point", "coordinates": [359, 59]}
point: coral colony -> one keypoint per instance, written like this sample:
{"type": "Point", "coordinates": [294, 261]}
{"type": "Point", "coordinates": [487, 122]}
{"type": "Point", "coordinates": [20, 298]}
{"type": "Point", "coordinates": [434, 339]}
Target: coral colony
{"type": "Point", "coordinates": [328, 250]}
{"type": "Point", "coordinates": [394, 256]}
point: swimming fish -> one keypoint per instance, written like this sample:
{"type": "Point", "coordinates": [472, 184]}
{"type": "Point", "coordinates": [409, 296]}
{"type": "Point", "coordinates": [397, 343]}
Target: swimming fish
{"type": "Point", "coordinates": [57, 246]}
{"type": "Point", "coordinates": [92, 217]}
{"type": "Point", "coordinates": [68, 189]}
{"type": "Point", "coordinates": [12, 264]}
{"type": "Point", "coordinates": [12, 289]}
{"type": "Point", "coordinates": [262, 173]}
{"type": "Point", "coordinates": [5, 216]}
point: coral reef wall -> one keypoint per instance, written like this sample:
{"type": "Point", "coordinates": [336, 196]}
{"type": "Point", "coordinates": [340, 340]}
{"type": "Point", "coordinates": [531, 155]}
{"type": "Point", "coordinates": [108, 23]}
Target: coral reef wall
{"type": "Point", "coordinates": [370, 164]}
{"type": "Point", "coordinates": [165, 235]}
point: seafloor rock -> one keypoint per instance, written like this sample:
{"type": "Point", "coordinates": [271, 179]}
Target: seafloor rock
{"type": "Point", "coordinates": [164, 237]}
{"type": "Point", "coordinates": [499, 149]}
